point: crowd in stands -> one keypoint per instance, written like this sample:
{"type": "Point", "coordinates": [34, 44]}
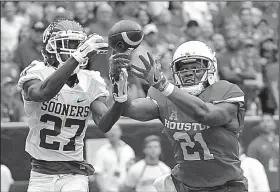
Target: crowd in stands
{"type": "Point", "coordinates": [243, 34]}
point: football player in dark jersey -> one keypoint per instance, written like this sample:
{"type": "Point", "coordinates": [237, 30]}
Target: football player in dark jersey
{"type": "Point", "coordinates": [202, 117]}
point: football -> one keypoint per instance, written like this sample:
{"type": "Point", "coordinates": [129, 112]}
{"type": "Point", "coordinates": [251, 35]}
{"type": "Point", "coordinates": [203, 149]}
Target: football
{"type": "Point", "coordinates": [125, 34]}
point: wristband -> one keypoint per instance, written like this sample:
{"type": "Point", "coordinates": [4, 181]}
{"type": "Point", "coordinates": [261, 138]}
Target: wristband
{"type": "Point", "coordinates": [78, 57]}
{"type": "Point", "coordinates": [168, 90]}
{"type": "Point", "coordinates": [120, 99]}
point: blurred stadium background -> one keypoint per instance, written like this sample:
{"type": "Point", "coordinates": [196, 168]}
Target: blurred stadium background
{"type": "Point", "coordinates": [243, 34]}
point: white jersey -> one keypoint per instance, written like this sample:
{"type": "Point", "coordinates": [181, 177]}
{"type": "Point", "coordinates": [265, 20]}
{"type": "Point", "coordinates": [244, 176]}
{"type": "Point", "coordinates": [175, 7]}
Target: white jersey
{"type": "Point", "coordinates": [57, 127]}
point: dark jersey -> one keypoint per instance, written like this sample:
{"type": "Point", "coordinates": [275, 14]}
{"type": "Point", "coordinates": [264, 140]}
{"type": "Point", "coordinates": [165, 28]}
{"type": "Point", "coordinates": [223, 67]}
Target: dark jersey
{"type": "Point", "coordinates": [206, 156]}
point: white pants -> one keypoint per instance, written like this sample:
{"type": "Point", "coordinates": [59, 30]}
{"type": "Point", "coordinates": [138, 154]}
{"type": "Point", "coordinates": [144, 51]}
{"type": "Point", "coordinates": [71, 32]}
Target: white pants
{"type": "Point", "coordinates": [165, 184]}
{"type": "Point", "coordinates": [39, 182]}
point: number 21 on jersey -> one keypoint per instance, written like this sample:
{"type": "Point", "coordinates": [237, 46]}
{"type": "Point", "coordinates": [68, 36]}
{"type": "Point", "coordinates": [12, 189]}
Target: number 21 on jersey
{"type": "Point", "coordinates": [178, 136]}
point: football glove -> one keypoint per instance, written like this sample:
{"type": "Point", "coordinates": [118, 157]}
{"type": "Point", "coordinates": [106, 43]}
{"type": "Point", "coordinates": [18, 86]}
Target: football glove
{"type": "Point", "coordinates": [152, 73]}
{"type": "Point", "coordinates": [94, 44]}
{"type": "Point", "coordinates": [118, 75]}
{"type": "Point", "coordinates": [120, 86]}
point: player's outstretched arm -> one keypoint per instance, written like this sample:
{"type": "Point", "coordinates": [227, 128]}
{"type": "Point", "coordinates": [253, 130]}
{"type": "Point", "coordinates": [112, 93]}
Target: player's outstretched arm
{"type": "Point", "coordinates": [103, 117]}
{"type": "Point", "coordinates": [106, 118]}
{"type": "Point", "coordinates": [39, 91]}
{"type": "Point", "coordinates": [205, 113]}
{"type": "Point", "coordinates": [143, 109]}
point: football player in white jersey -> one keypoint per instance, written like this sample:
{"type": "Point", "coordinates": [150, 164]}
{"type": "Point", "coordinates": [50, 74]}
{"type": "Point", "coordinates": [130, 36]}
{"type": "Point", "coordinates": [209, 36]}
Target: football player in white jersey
{"type": "Point", "coordinates": [58, 98]}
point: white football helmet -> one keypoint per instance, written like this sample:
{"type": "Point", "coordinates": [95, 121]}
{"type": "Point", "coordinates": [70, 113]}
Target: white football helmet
{"type": "Point", "coordinates": [62, 37]}
{"type": "Point", "coordinates": [194, 52]}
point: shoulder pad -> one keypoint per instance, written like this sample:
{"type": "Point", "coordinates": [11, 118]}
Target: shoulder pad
{"type": "Point", "coordinates": [34, 66]}
{"type": "Point", "coordinates": [224, 91]}
{"type": "Point", "coordinates": [36, 70]}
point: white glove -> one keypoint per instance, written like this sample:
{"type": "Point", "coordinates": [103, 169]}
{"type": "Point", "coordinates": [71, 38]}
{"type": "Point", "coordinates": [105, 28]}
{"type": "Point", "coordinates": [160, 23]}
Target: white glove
{"type": "Point", "coordinates": [120, 86]}
{"type": "Point", "coordinates": [94, 44]}
{"type": "Point", "coordinates": [118, 75]}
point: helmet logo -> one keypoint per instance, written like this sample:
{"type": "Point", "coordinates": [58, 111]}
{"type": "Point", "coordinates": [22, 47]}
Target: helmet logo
{"type": "Point", "coordinates": [46, 35]}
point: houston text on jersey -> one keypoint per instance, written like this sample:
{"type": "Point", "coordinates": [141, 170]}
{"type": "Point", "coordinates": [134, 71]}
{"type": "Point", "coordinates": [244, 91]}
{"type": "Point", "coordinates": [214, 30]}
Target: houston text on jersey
{"type": "Point", "coordinates": [185, 126]}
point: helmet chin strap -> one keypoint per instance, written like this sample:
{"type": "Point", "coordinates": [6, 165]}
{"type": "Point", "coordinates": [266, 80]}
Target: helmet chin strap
{"type": "Point", "coordinates": [196, 89]}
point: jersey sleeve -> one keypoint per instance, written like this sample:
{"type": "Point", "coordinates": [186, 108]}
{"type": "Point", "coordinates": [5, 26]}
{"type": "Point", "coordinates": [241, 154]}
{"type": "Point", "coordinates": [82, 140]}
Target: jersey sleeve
{"type": "Point", "coordinates": [32, 71]}
{"type": "Point", "coordinates": [99, 86]}
{"type": "Point", "coordinates": [230, 93]}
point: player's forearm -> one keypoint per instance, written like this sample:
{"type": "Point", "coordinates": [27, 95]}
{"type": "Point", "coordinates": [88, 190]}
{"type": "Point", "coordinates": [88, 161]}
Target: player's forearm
{"type": "Point", "coordinates": [109, 118]}
{"type": "Point", "coordinates": [140, 109]}
{"type": "Point", "coordinates": [126, 112]}
{"type": "Point", "coordinates": [53, 84]}
{"type": "Point", "coordinates": [189, 104]}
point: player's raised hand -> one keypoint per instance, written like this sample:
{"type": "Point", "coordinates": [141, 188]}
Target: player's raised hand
{"type": "Point", "coordinates": [118, 64]}
{"type": "Point", "coordinates": [152, 73]}
{"type": "Point", "coordinates": [120, 87]}
{"type": "Point", "coordinates": [94, 44]}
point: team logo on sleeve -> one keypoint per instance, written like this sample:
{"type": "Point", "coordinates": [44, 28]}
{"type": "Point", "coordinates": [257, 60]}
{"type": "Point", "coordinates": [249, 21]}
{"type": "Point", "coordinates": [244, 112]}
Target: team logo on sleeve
{"type": "Point", "coordinates": [174, 115]}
